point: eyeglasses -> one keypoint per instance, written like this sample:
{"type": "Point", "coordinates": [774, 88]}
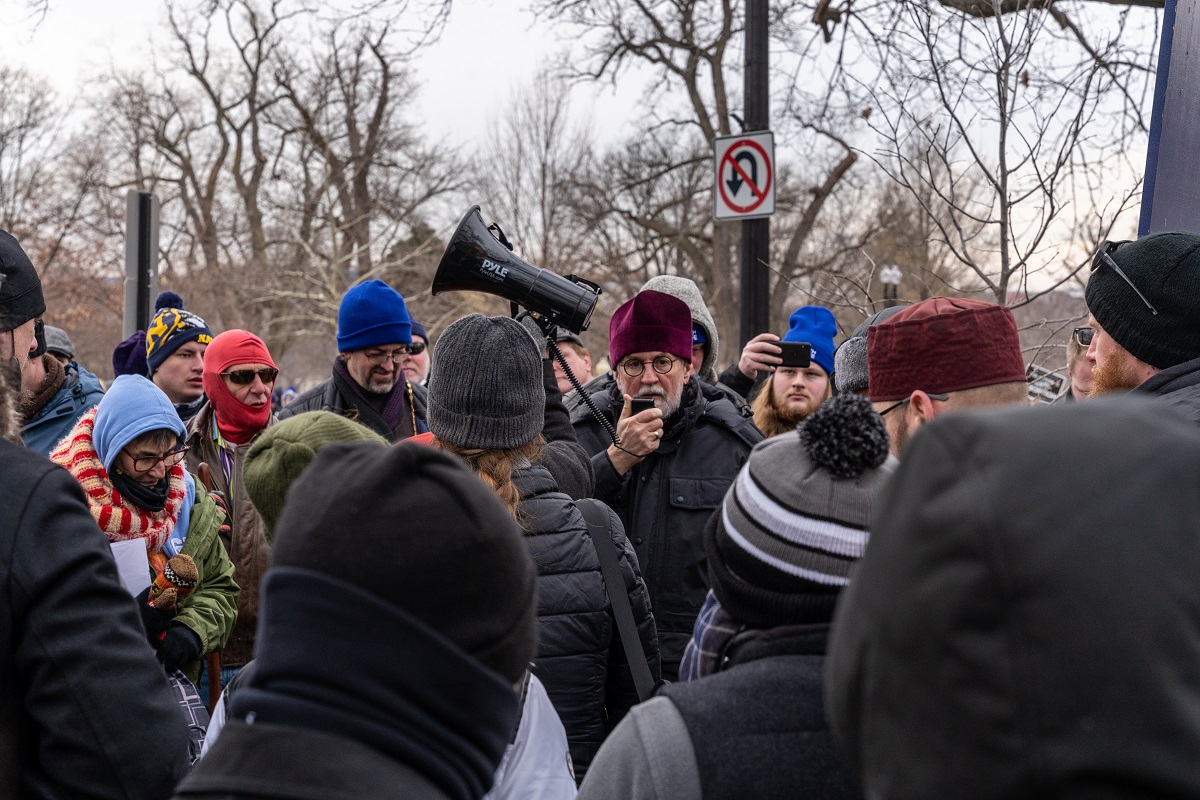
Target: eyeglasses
{"type": "Point", "coordinates": [410, 349]}
{"type": "Point", "coordinates": [661, 364]}
{"type": "Point", "coordinates": [894, 406]}
{"type": "Point", "coordinates": [1104, 256]}
{"type": "Point", "coordinates": [241, 377]}
{"type": "Point", "coordinates": [1083, 336]}
{"type": "Point", "coordinates": [147, 463]}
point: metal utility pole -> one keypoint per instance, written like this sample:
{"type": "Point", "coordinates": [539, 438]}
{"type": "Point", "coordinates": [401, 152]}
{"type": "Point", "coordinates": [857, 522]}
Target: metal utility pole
{"type": "Point", "coordinates": [141, 258]}
{"type": "Point", "coordinates": [756, 233]}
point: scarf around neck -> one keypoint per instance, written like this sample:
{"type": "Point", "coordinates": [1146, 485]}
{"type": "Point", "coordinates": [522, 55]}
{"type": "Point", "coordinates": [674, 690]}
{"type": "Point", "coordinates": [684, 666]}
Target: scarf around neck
{"type": "Point", "coordinates": [118, 517]}
{"type": "Point", "coordinates": [395, 684]}
{"type": "Point", "coordinates": [392, 422]}
{"type": "Point", "coordinates": [238, 422]}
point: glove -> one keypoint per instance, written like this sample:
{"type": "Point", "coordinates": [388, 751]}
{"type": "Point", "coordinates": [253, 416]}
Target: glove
{"type": "Point", "coordinates": [223, 506]}
{"type": "Point", "coordinates": [181, 646]}
{"type": "Point", "coordinates": [154, 621]}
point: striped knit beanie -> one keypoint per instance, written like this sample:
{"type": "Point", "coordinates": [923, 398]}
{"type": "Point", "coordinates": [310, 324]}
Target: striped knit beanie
{"type": "Point", "coordinates": [795, 520]}
{"type": "Point", "coordinates": [171, 329]}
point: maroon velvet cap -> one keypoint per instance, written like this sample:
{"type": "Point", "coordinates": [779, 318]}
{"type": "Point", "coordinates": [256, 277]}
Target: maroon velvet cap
{"type": "Point", "coordinates": [943, 344]}
{"type": "Point", "coordinates": [650, 322]}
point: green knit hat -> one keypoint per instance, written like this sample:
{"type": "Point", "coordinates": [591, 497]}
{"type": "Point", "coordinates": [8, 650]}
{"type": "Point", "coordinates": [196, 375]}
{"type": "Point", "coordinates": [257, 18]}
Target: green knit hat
{"type": "Point", "coordinates": [1165, 268]}
{"type": "Point", "coordinates": [286, 449]}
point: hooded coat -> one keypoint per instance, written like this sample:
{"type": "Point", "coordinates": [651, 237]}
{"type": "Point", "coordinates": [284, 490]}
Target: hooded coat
{"type": "Point", "coordinates": [80, 391]}
{"type": "Point", "coordinates": [1021, 628]}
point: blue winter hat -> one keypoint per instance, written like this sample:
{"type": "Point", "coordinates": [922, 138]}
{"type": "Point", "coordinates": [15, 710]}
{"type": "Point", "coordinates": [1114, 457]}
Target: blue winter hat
{"type": "Point", "coordinates": [372, 314]}
{"type": "Point", "coordinates": [419, 330]}
{"type": "Point", "coordinates": [131, 406]}
{"type": "Point", "coordinates": [815, 325]}
{"type": "Point", "coordinates": [698, 335]}
{"type": "Point", "coordinates": [172, 328]}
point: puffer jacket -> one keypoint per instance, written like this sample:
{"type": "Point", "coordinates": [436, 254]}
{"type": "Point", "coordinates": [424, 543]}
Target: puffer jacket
{"type": "Point", "coordinates": [80, 392]}
{"type": "Point", "coordinates": [665, 501]}
{"type": "Point", "coordinates": [580, 659]}
{"type": "Point", "coordinates": [247, 544]}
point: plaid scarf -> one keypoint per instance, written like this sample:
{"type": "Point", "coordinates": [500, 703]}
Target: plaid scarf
{"type": "Point", "coordinates": [118, 518]}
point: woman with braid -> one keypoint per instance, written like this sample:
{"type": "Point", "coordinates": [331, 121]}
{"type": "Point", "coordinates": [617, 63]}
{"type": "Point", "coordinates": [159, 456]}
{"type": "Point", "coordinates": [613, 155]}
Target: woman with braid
{"type": "Point", "coordinates": [486, 405]}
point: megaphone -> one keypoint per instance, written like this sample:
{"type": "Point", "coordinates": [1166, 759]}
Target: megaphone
{"type": "Point", "coordinates": [477, 261]}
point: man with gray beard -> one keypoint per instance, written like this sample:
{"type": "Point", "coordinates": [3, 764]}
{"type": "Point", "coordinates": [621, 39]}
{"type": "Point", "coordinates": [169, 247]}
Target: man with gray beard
{"type": "Point", "coordinates": [674, 461]}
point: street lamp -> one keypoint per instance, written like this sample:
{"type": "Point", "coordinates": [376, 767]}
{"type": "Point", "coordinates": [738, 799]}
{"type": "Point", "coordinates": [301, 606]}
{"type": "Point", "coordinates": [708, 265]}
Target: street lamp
{"type": "Point", "coordinates": [890, 277]}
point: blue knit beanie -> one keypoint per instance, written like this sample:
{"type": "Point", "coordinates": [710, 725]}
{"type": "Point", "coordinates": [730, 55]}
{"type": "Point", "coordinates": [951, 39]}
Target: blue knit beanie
{"type": "Point", "coordinates": [815, 325]}
{"type": "Point", "coordinates": [172, 328]}
{"type": "Point", "coordinates": [372, 314]}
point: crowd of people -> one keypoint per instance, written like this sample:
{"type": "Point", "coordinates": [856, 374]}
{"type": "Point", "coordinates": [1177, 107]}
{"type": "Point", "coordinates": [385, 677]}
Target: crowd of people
{"type": "Point", "coordinates": [461, 567]}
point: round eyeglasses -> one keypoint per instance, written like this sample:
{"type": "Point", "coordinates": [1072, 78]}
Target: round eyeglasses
{"type": "Point", "coordinates": [147, 463]}
{"type": "Point", "coordinates": [661, 364]}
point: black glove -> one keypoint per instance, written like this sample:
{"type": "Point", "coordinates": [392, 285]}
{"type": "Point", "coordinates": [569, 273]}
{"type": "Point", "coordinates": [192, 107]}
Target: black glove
{"type": "Point", "coordinates": [154, 621]}
{"type": "Point", "coordinates": [181, 646]}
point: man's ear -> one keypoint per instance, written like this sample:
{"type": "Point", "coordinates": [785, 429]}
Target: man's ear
{"type": "Point", "coordinates": [921, 409]}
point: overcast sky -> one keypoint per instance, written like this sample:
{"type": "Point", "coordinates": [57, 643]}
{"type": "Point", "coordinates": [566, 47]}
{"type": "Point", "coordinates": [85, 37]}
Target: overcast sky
{"type": "Point", "coordinates": [489, 48]}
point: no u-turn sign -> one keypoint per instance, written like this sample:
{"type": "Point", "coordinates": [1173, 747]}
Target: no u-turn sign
{"type": "Point", "coordinates": [745, 174]}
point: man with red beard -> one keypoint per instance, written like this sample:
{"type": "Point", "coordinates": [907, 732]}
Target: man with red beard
{"type": "Point", "coordinates": [239, 375]}
{"type": "Point", "coordinates": [1142, 299]}
{"type": "Point", "coordinates": [792, 393]}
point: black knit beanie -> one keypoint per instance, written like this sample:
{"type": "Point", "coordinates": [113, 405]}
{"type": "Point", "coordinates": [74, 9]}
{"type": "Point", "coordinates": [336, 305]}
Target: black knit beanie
{"type": "Point", "coordinates": [20, 287]}
{"type": "Point", "coordinates": [1165, 268]}
{"type": "Point", "coordinates": [794, 521]}
{"type": "Point", "coordinates": [414, 526]}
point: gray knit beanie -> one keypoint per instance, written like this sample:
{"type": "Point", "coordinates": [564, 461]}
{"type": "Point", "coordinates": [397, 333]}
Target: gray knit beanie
{"type": "Point", "coordinates": [485, 385]}
{"type": "Point", "coordinates": [795, 519]}
{"type": "Point", "coordinates": [687, 291]}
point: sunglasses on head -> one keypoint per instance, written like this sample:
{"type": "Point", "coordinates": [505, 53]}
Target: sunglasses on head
{"type": "Point", "coordinates": [1104, 256]}
{"type": "Point", "coordinates": [241, 377]}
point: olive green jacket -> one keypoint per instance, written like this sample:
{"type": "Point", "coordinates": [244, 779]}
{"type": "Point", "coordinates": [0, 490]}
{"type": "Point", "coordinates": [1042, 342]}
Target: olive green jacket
{"type": "Point", "coordinates": [211, 609]}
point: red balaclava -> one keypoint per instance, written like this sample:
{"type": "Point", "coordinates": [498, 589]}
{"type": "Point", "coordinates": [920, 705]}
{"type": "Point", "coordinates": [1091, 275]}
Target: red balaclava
{"type": "Point", "coordinates": [237, 421]}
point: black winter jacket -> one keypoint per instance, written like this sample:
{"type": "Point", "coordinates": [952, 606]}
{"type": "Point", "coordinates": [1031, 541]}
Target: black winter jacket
{"type": "Point", "coordinates": [1179, 385]}
{"type": "Point", "coordinates": [664, 501]}
{"type": "Point", "coordinates": [326, 397]}
{"type": "Point", "coordinates": [85, 710]}
{"type": "Point", "coordinates": [580, 659]}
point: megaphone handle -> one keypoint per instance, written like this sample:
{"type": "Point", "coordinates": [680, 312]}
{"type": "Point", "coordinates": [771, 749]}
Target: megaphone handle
{"type": "Point", "coordinates": [603, 420]}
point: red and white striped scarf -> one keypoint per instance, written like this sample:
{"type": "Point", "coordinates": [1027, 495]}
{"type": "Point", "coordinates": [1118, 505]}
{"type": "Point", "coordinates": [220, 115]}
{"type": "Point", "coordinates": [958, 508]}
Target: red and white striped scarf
{"type": "Point", "coordinates": [117, 517]}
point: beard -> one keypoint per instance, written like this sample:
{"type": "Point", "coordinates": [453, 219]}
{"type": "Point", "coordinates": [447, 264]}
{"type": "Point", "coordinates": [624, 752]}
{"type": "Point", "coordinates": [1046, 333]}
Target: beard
{"type": "Point", "coordinates": [1114, 375]}
{"type": "Point", "coordinates": [662, 401]}
{"type": "Point", "coordinates": [774, 416]}
{"type": "Point", "coordinates": [382, 384]}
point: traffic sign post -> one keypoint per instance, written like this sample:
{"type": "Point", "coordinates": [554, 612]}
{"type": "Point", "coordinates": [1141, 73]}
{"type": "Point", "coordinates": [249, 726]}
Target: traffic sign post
{"type": "Point", "coordinates": [745, 176]}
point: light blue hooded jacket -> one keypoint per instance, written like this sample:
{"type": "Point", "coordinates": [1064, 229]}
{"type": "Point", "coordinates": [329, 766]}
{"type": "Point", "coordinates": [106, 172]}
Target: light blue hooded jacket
{"type": "Point", "coordinates": [131, 407]}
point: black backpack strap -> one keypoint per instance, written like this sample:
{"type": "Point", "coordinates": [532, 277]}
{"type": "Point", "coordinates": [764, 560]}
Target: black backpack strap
{"type": "Point", "coordinates": [610, 570]}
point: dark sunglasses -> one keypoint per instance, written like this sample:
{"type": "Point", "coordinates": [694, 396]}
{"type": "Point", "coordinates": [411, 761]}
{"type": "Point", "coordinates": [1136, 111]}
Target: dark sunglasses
{"type": "Point", "coordinates": [894, 406]}
{"type": "Point", "coordinates": [1104, 256]}
{"type": "Point", "coordinates": [241, 377]}
{"type": "Point", "coordinates": [414, 348]}
{"type": "Point", "coordinates": [1083, 336]}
